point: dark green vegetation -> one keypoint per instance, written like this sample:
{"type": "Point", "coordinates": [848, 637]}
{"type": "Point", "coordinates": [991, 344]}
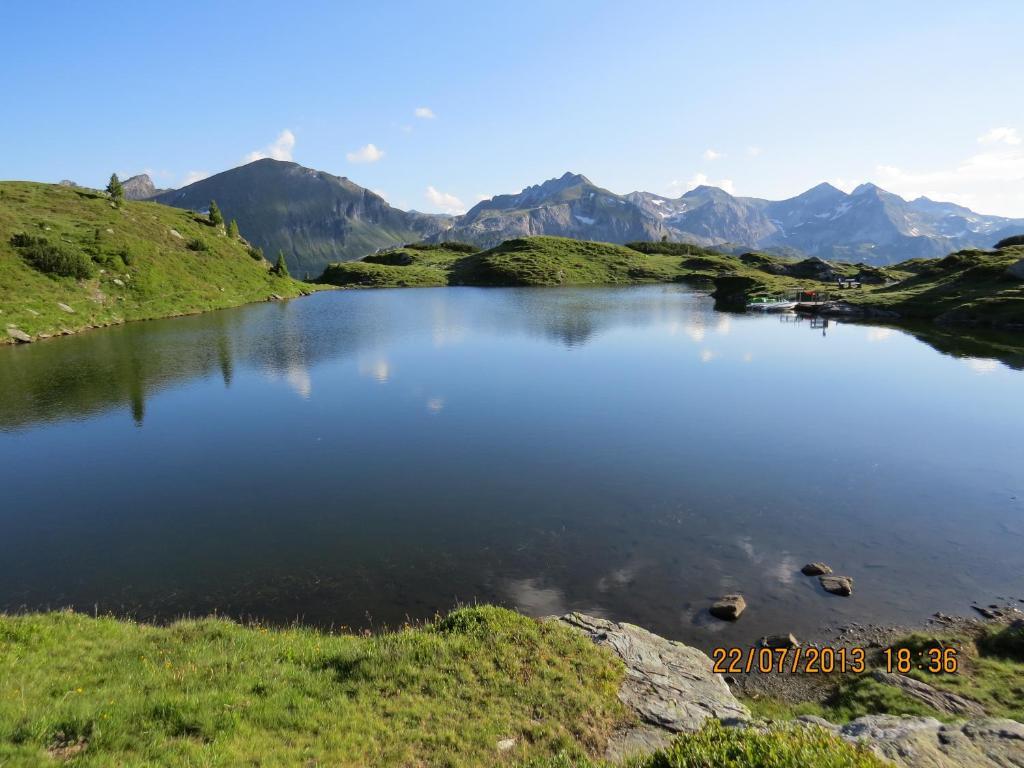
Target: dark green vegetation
{"type": "Point", "coordinates": [1006, 242]}
{"type": "Point", "coordinates": [210, 692]}
{"type": "Point", "coordinates": [991, 672]}
{"type": "Point", "coordinates": [110, 263]}
{"type": "Point", "coordinates": [969, 287]}
{"type": "Point", "coordinates": [314, 217]}
{"type": "Point", "coordinates": [781, 746]}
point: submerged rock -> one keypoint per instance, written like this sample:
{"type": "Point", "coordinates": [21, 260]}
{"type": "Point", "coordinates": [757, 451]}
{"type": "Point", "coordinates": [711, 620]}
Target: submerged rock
{"type": "Point", "coordinates": [780, 641]}
{"type": "Point", "coordinates": [728, 608]}
{"type": "Point", "coordinates": [816, 569]}
{"type": "Point", "coordinates": [855, 311]}
{"type": "Point", "coordinates": [837, 585]}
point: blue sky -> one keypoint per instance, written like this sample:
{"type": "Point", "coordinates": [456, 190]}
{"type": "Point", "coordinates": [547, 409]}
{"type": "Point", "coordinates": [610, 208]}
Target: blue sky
{"type": "Point", "coordinates": [764, 99]}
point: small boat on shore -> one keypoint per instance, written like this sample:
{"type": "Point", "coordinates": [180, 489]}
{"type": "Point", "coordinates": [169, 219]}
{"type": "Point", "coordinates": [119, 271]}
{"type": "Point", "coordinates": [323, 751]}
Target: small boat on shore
{"type": "Point", "coordinates": [770, 304]}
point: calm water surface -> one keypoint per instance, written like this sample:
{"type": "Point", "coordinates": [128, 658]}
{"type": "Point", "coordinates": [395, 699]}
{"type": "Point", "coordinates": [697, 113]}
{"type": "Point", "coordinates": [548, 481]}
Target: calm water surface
{"type": "Point", "coordinates": [358, 458]}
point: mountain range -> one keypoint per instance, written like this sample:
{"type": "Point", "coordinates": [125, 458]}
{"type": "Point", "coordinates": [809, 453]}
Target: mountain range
{"type": "Point", "coordinates": [316, 218]}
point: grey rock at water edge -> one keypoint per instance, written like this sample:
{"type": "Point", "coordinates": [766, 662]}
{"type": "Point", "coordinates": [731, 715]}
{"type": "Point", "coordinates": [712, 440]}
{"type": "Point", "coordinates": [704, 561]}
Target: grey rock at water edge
{"type": "Point", "coordinates": [728, 608]}
{"type": "Point", "coordinates": [19, 335]}
{"type": "Point", "coordinates": [942, 701]}
{"type": "Point", "coordinates": [780, 641]}
{"type": "Point", "coordinates": [816, 569]}
{"type": "Point", "coordinates": [924, 742]}
{"type": "Point", "coordinates": [671, 686]}
{"type": "Point", "coordinates": [837, 585]}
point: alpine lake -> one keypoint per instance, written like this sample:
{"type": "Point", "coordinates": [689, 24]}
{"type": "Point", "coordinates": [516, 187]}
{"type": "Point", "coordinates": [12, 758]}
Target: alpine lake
{"type": "Point", "coordinates": [362, 459]}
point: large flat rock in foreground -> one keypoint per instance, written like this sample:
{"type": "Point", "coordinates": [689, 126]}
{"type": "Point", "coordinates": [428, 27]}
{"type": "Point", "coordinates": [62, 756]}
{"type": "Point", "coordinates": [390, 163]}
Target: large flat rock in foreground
{"type": "Point", "coordinates": [672, 689]}
{"type": "Point", "coordinates": [671, 686]}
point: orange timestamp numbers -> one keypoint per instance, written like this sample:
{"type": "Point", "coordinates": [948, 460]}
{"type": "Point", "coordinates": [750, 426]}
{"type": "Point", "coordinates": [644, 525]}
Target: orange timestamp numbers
{"type": "Point", "coordinates": [937, 661]}
{"type": "Point", "coordinates": [827, 660]}
{"type": "Point", "coordinates": [812, 660]}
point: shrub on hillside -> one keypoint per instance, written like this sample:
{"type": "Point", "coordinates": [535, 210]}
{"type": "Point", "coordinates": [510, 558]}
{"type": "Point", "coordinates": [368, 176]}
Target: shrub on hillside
{"type": "Point", "coordinates": [195, 244]}
{"type": "Point", "coordinates": [51, 258]}
{"type": "Point", "coordinates": [451, 246]}
{"type": "Point", "coordinates": [1006, 242]}
{"type": "Point", "coordinates": [256, 252]}
{"type": "Point", "coordinates": [392, 258]}
{"type": "Point", "coordinates": [672, 249]}
{"type": "Point", "coordinates": [1007, 642]}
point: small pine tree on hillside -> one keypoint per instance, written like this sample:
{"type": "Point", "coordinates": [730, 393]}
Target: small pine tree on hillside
{"type": "Point", "coordinates": [115, 189]}
{"type": "Point", "coordinates": [216, 217]}
{"type": "Point", "coordinates": [233, 230]}
{"type": "Point", "coordinates": [281, 267]}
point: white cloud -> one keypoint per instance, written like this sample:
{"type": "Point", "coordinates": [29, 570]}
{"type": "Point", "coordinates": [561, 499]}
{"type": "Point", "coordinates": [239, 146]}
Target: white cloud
{"type": "Point", "coordinates": [676, 187]}
{"type": "Point", "coordinates": [448, 203]}
{"type": "Point", "coordinates": [754, 151]}
{"type": "Point", "coordinates": [712, 154]}
{"type": "Point", "coordinates": [280, 149]}
{"type": "Point", "coordinates": [481, 198]}
{"type": "Point", "coordinates": [193, 176]}
{"type": "Point", "coordinates": [424, 113]}
{"type": "Point", "coordinates": [991, 181]}
{"type": "Point", "coordinates": [380, 193]}
{"type": "Point", "coordinates": [1000, 136]}
{"type": "Point", "coordinates": [368, 154]}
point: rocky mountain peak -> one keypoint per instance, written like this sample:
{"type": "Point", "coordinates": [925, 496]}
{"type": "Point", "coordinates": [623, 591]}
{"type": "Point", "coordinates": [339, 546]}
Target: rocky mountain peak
{"type": "Point", "coordinates": [140, 187]}
{"type": "Point", "coordinates": [867, 189]}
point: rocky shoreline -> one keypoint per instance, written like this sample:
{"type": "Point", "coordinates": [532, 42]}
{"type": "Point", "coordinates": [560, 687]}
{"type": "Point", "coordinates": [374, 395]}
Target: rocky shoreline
{"type": "Point", "coordinates": [672, 688]}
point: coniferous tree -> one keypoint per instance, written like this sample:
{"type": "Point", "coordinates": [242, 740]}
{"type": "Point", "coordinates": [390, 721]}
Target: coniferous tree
{"type": "Point", "coordinates": [216, 218]}
{"type": "Point", "coordinates": [281, 267]}
{"type": "Point", "coordinates": [233, 230]}
{"type": "Point", "coordinates": [115, 189]}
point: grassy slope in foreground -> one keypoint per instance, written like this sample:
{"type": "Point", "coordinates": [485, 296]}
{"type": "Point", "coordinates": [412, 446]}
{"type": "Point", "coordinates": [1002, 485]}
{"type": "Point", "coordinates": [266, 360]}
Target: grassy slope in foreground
{"type": "Point", "coordinates": [101, 691]}
{"type": "Point", "coordinates": [164, 277]}
{"type": "Point", "coordinates": [211, 692]}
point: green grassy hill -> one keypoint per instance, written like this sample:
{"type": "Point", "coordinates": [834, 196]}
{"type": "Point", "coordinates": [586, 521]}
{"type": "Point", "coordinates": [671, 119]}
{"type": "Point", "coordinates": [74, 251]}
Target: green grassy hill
{"type": "Point", "coordinates": [70, 260]}
{"type": "Point", "coordinates": [970, 287]}
{"type": "Point", "coordinates": [312, 216]}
